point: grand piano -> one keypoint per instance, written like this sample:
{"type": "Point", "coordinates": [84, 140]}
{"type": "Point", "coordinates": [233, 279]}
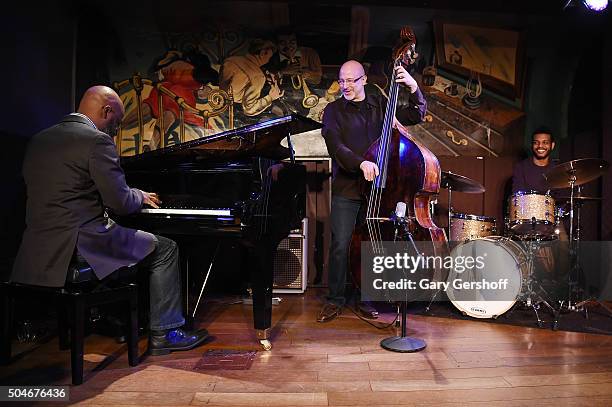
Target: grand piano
{"type": "Point", "coordinates": [241, 184]}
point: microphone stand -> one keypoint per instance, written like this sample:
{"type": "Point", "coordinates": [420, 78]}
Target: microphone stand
{"type": "Point", "coordinates": [403, 343]}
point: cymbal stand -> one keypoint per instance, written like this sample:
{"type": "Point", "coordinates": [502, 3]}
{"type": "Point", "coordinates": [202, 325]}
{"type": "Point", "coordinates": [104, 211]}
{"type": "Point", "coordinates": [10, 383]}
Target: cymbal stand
{"type": "Point", "coordinates": [581, 305]}
{"type": "Point", "coordinates": [575, 272]}
{"type": "Point", "coordinates": [574, 265]}
{"type": "Point", "coordinates": [450, 209]}
{"type": "Point", "coordinates": [450, 213]}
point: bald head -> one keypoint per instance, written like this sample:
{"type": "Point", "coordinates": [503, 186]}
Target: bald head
{"type": "Point", "coordinates": [352, 79]}
{"type": "Point", "coordinates": [104, 107]}
{"type": "Point", "coordinates": [352, 67]}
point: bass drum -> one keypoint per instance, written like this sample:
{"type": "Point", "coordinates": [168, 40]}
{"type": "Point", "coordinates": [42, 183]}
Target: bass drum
{"type": "Point", "coordinates": [502, 260]}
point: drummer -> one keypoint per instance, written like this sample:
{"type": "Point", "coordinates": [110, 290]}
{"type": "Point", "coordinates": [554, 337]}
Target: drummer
{"type": "Point", "coordinates": [528, 175]}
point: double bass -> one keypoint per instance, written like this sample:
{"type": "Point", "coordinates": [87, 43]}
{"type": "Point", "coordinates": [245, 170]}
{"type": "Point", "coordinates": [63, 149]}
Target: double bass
{"type": "Point", "coordinates": [409, 178]}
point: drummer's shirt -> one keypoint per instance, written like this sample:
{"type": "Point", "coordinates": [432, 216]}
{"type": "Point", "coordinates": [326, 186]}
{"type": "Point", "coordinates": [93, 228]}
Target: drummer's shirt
{"type": "Point", "coordinates": [527, 176]}
{"type": "Point", "coordinates": [530, 177]}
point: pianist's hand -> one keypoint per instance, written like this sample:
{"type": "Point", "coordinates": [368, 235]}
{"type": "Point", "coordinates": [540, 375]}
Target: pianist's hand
{"type": "Point", "coordinates": [151, 199]}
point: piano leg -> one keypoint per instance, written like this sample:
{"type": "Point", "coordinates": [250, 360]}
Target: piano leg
{"type": "Point", "coordinates": [263, 336]}
{"type": "Point", "coordinates": [189, 320]}
{"type": "Point", "coordinates": [261, 271]}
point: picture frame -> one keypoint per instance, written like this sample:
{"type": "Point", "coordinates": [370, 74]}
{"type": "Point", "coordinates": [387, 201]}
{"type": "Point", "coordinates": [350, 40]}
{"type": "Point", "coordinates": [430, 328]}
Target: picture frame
{"type": "Point", "coordinates": [497, 55]}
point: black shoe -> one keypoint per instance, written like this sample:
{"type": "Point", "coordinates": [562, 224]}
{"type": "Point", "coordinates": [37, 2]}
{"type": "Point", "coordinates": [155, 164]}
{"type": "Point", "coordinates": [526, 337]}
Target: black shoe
{"type": "Point", "coordinates": [367, 311]}
{"type": "Point", "coordinates": [329, 312]}
{"type": "Point", "coordinates": [176, 340]}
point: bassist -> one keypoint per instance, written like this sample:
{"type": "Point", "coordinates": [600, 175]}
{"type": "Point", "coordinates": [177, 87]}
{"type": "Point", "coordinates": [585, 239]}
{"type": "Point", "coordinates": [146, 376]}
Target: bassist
{"type": "Point", "coordinates": [350, 125]}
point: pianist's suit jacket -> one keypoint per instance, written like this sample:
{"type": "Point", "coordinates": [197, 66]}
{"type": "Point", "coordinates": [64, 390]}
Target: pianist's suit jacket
{"type": "Point", "coordinates": [72, 173]}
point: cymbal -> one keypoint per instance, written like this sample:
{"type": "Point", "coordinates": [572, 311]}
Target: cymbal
{"type": "Point", "coordinates": [584, 170]}
{"type": "Point", "coordinates": [581, 198]}
{"type": "Point", "coordinates": [460, 183]}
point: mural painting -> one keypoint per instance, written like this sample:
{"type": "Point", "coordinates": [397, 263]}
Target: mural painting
{"type": "Point", "coordinates": [198, 88]}
{"type": "Point", "coordinates": [226, 76]}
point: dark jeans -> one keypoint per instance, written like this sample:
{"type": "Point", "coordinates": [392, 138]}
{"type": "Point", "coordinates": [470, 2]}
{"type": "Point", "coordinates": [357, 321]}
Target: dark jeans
{"type": "Point", "coordinates": [343, 216]}
{"type": "Point", "coordinates": [164, 284]}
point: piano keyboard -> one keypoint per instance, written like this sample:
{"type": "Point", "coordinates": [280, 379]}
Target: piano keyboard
{"type": "Point", "coordinates": [181, 211]}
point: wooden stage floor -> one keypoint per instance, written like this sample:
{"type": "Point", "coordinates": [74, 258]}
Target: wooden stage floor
{"type": "Point", "coordinates": [466, 362]}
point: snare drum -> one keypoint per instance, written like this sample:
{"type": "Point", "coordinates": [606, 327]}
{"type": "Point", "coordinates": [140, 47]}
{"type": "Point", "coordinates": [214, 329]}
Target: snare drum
{"type": "Point", "coordinates": [503, 259]}
{"type": "Point", "coordinates": [468, 227]}
{"type": "Point", "coordinates": [531, 214]}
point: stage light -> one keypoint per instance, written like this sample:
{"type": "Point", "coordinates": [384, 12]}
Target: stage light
{"type": "Point", "coordinates": [596, 5]}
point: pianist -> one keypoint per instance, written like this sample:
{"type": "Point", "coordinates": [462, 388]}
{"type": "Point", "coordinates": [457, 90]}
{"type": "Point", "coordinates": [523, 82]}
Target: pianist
{"type": "Point", "coordinates": [72, 173]}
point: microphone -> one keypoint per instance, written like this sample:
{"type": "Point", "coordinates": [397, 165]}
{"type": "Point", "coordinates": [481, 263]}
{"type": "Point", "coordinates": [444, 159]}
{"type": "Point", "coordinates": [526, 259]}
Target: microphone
{"type": "Point", "coordinates": [400, 210]}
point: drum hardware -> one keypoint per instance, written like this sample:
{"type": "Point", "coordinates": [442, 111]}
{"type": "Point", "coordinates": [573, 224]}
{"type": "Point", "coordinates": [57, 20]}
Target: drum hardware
{"type": "Point", "coordinates": [573, 174]}
{"type": "Point", "coordinates": [460, 183]}
{"type": "Point", "coordinates": [575, 291]}
{"type": "Point", "coordinates": [534, 294]}
{"type": "Point", "coordinates": [452, 181]}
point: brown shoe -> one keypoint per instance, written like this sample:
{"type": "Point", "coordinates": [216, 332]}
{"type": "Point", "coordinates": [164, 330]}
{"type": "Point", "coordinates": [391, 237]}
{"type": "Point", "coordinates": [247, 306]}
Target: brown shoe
{"type": "Point", "coordinates": [329, 312]}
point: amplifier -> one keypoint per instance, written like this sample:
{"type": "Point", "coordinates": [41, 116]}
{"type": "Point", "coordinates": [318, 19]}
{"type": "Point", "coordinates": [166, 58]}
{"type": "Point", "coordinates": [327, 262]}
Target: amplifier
{"type": "Point", "coordinates": [290, 262]}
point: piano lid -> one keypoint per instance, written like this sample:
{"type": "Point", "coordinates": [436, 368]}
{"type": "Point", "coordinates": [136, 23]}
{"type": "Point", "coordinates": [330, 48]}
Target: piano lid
{"type": "Point", "coordinates": [260, 139]}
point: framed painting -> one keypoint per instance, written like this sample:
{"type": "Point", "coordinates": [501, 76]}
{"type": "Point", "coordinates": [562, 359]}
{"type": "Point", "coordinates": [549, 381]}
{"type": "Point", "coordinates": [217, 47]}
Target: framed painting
{"type": "Point", "coordinates": [496, 54]}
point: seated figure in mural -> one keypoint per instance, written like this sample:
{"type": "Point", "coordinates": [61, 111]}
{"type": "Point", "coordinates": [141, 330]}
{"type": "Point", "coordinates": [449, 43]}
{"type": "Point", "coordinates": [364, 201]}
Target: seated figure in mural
{"type": "Point", "coordinates": [298, 70]}
{"type": "Point", "coordinates": [243, 74]}
{"type": "Point", "coordinates": [190, 76]}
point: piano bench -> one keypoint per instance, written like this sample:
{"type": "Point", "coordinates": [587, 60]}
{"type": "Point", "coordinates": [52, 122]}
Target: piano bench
{"type": "Point", "coordinates": [81, 292]}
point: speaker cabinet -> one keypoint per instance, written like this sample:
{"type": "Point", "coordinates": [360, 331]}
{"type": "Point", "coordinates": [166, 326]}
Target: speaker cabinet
{"type": "Point", "coordinates": [290, 262]}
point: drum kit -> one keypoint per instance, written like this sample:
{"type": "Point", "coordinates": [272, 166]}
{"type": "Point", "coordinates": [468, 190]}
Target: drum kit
{"type": "Point", "coordinates": [532, 225]}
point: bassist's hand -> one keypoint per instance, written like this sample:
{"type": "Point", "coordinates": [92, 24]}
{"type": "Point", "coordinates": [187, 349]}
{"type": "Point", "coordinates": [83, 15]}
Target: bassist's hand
{"type": "Point", "coordinates": [369, 169]}
{"type": "Point", "coordinates": [402, 76]}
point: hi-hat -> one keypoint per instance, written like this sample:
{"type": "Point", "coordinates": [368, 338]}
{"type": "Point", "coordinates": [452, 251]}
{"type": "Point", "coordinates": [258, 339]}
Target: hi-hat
{"type": "Point", "coordinates": [582, 171]}
{"type": "Point", "coordinates": [460, 183]}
